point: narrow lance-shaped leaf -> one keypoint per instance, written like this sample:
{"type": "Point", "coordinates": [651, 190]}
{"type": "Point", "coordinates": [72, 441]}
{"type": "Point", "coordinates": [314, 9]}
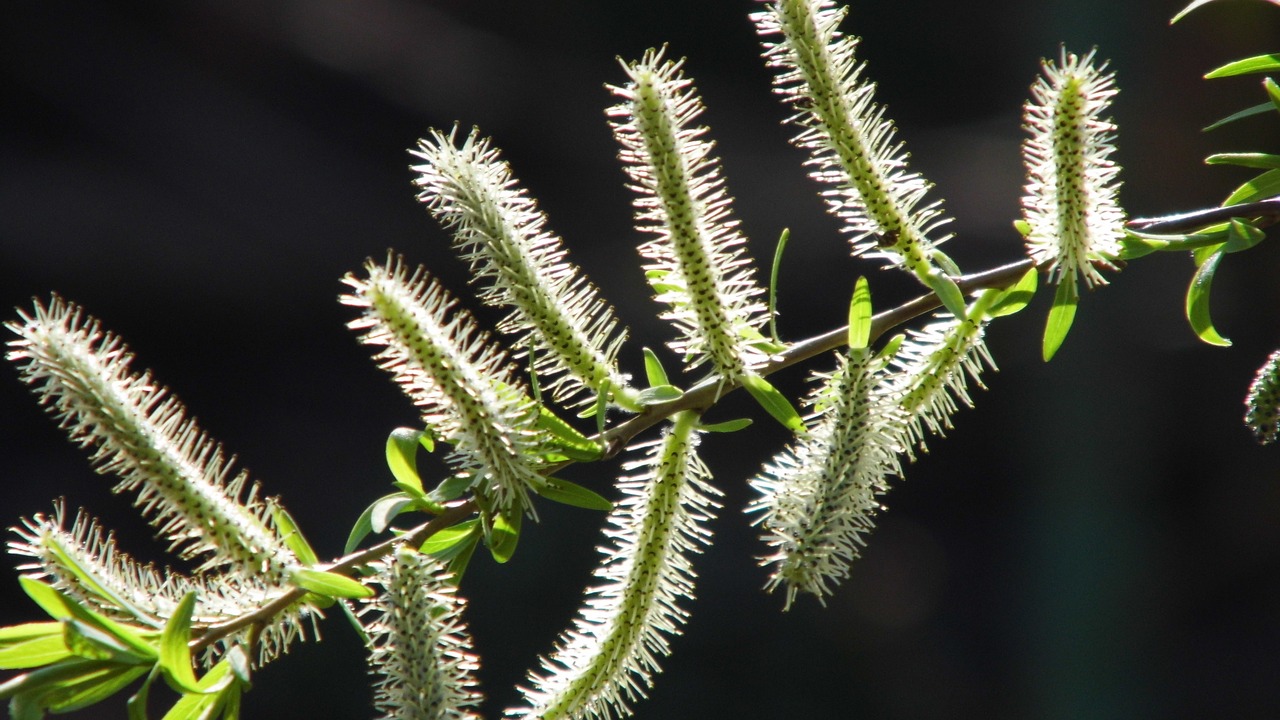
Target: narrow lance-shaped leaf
{"type": "Point", "coordinates": [460, 381]}
{"type": "Point", "coordinates": [499, 229]}
{"type": "Point", "coordinates": [609, 658]}
{"type": "Point", "coordinates": [697, 264]}
{"type": "Point", "coordinates": [851, 143]}
{"type": "Point", "coordinates": [138, 431]}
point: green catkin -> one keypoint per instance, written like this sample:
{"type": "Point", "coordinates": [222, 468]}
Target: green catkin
{"type": "Point", "coordinates": [1262, 404]}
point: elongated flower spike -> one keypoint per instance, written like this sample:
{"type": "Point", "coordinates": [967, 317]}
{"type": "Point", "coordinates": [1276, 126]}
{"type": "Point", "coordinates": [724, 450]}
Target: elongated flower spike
{"type": "Point", "coordinates": [460, 381]}
{"type": "Point", "coordinates": [498, 229]}
{"type": "Point", "coordinates": [419, 647]}
{"type": "Point", "coordinates": [697, 264]}
{"type": "Point", "coordinates": [1076, 223]}
{"type": "Point", "coordinates": [1262, 405]}
{"type": "Point", "coordinates": [138, 431]}
{"type": "Point", "coordinates": [608, 659]}
{"type": "Point", "coordinates": [935, 365]}
{"type": "Point", "coordinates": [851, 143]}
{"type": "Point", "coordinates": [84, 563]}
{"type": "Point", "coordinates": [818, 499]}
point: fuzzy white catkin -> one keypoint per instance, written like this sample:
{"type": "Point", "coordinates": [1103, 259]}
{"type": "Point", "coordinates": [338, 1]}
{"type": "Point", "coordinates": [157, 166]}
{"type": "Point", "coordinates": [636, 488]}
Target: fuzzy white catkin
{"type": "Point", "coordinates": [460, 381]}
{"type": "Point", "coordinates": [608, 659]}
{"type": "Point", "coordinates": [697, 264]}
{"type": "Point", "coordinates": [137, 430]}
{"type": "Point", "coordinates": [498, 228]}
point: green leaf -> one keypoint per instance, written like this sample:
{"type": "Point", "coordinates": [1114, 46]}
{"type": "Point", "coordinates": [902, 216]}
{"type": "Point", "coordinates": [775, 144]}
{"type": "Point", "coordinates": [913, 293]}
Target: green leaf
{"type": "Point", "coordinates": [25, 632]}
{"type": "Point", "coordinates": [137, 703]}
{"type": "Point", "coordinates": [891, 348]}
{"type": "Point", "coordinates": [459, 556]}
{"type": "Point", "coordinates": [91, 642]}
{"type": "Point", "coordinates": [34, 684]}
{"type": "Point", "coordinates": [385, 510]}
{"type": "Point", "coordinates": [1263, 186]}
{"type": "Point", "coordinates": [62, 607]}
{"type": "Point", "coordinates": [1198, 301]}
{"type": "Point", "coordinates": [1241, 236]}
{"type": "Point", "coordinates": [504, 535]}
{"type": "Point", "coordinates": [291, 535]}
{"type": "Point", "coordinates": [1017, 296]}
{"type": "Point", "coordinates": [727, 426]}
{"type": "Point", "coordinates": [93, 689]}
{"type": "Point", "coordinates": [860, 315]}
{"type": "Point", "coordinates": [774, 402]}
{"type": "Point", "coordinates": [402, 455]}
{"type": "Point", "coordinates": [773, 284]}
{"type": "Point", "coordinates": [573, 494]}
{"type": "Point", "coordinates": [948, 292]}
{"type": "Point", "coordinates": [1022, 227]}
{"type": "Point", "coordinates": [218, 691]}
{"type": "Point", "coordinates": [1061, 315]}
{"type": "Point", "coordinates": [659, 394]}
{"type": "Point", "coordinates": [175, 653]}
{"type": "Point", "coordinates": [1262, 161]}
{"type": "Point", "coordinates": [566, 439]}
{"type": "Point", "coordinates": [364, 525]}
{"type": "Point", "coordinates": [1273, 92]}
{"type": "Point", "coordinates": [1255, 64]}
{"type": "Point", "coordinates": [452, 488]}
{"type": "Point", "coordinates": [329, 584]}
{"type": "Point", "coordinates": [1182, 13]}
{"type": "Point", "coordinates": [653, 370]}
{"type": "Point", "coordinates": [36, 650]}
{"type": "Point", "coordinates": [1247, 112]}
{"type": "Point", "coordinates": [49, 600]}
{"type": "Point", "coordinates": [448, 537]}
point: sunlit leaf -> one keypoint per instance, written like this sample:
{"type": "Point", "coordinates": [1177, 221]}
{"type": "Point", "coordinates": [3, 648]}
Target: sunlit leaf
{"type": "Point", "coordinates": [1061, 315]}
{"type": "Point", "coordinates": [860, 315]}
{"type": "Point", "coordinates": [175, 654]}
{"type": "Point", "coordinates": [1255, 64]}
{"type": "Point", "coordinates": [948, 292]}
{"type": "Point", "coordinates": [659, 394]}
{"type": "Point", "coordinates": [573, 494]}
{"type": "Point", "coordinates": [1263, 186]}
{"type": "Point", "coordinates": [566, 438]}
{"type": "Point", "coordinates": [34, 650]}
{"type": "Point", "coordinates": [402, 455]}
{"type": "Point", "coordinates": [727, 426]}
{"type": "Point", "coordinates": [774, 402]}
{"type": "Point", "coordinates": [653, 370]}
{"type": "Point", "coordinates": [291, 535]}
{"type": "Point", "coordinates": [1017, 296]}
{"type": "Point", "coordinates": [384, 510]}
{"type": "Point", "coordinates": [1262, 161]}
{"type": "Point", "coordinates": [773, 283]}
{"type": "Point", "coordinates": [1198, 301]}
{"type": "Point", "coordinates": [329, 584]}
{"type": "Point", "coordinates": [448, 537]}
{"type": "Point", "coordinates": [504, 535]}
{"type": "Point", "coordinates": [1247, 112]}
{"type": "Point", "coordinates": [1242, 236]}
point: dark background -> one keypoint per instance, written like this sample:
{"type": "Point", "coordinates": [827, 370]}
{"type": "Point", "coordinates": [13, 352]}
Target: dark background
{"type": "Point", "coordinates": [1099, 538]}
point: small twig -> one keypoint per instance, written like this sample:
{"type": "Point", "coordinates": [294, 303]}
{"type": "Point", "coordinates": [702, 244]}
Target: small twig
{"type": "Point", "coordinates": [1264, 212]}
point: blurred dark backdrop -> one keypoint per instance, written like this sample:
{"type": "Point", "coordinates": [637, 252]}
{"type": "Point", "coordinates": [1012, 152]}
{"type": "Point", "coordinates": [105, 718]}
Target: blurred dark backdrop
{"type": "Point", "coordinates": [1099, 538]}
